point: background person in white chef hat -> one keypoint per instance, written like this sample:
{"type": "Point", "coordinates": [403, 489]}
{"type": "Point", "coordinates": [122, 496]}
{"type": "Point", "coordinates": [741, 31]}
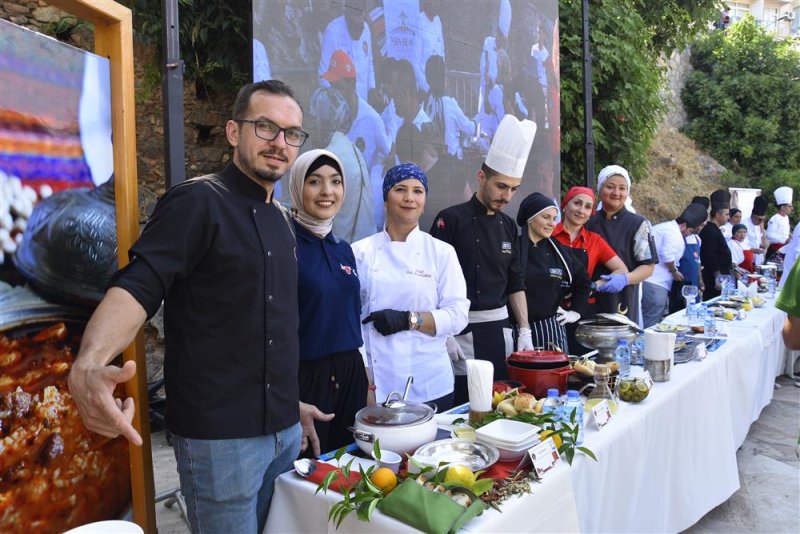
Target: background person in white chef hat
{"type": "Point", "coordinates": [778, 230]}
{"type": "Point", "coordinates": [485, 240]}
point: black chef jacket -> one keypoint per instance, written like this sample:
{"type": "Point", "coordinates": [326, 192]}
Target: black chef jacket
{"type": "Point", "coordinates": [630, 235]}
{"type": "Point", "coordinates": [224, 263]}
{"type": "Point", "coordinates": [487, 250]}
{"type": "Point", "coordinates": [715, 256]}
{"type": "Point", "coordinates": [551, 273]}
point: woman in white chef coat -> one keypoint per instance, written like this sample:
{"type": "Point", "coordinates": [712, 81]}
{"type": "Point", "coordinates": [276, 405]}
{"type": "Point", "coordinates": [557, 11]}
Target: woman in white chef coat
{"type": "Point", "coordinates": [413, 295]}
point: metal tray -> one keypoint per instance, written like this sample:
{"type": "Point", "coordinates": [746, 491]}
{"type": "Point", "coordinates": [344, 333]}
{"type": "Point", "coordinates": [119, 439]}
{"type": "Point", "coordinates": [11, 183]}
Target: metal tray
{"type": "Point", "coordinates": [466, 452]}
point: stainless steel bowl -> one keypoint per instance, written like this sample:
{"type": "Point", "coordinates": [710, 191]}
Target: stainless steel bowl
{"type": "Point", "coordinates": [603, 335]}
{"type": "Point", "coordinates": [467, 452]}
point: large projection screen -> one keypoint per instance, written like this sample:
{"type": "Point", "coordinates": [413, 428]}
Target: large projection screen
{"type": "Point", "coordinates": [415, 80]}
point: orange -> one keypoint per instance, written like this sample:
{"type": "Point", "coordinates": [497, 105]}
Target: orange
{"type": "Point", "coordinates": [543, 435]}
{"type": "Point", "coordinates": [384, 479]}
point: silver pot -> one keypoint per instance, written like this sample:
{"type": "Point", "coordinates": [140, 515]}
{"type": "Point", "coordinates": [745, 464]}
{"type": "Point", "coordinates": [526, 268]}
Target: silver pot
{"type": "Point", "coordinates": [603, 333]}
{"type": "Point", "coordinates": [398, 425]}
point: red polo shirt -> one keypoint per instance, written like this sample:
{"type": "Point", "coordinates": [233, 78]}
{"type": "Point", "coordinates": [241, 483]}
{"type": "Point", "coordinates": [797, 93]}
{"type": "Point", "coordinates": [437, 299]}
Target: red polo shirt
{"type": "Point", "coordinates": [596, 248]}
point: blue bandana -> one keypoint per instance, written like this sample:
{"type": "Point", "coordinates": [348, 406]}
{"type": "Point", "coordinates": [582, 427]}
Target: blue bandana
{"type": "Point", "coordinates": [401, 172]}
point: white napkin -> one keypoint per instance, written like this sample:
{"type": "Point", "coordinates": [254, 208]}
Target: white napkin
{"type": "Point", "coordinates": [480, 375]}
{"type": "Point", "coordinates": [659, 346]}
{"type": "Point", "coordinates": [752, 290]}
{"type": "Point", "coordinates": [741, 289]}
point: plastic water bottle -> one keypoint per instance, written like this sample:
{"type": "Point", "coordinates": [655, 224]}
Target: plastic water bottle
{"type": "Point", "coordinates": [639, 344]}
{"type": "Point", "coordinates": [710, 323]}
{"type": "Point", "coordinates": [552, 404]}
{"type": "Point", "coordinates": [623, 356]}
{"type": "Point", "coordinates": [771, 286]}
{"type": "Point", "coordinates": [573, 405]}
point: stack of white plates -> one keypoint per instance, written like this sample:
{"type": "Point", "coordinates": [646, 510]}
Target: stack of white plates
{"type": "Point", "coordinates": [512, 438]}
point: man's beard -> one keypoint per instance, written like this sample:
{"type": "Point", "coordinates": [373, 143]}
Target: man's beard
{"type": "Point", "coordinates": [267, 175]}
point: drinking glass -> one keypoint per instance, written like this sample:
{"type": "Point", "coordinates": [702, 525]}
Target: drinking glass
{"type": "Point", "coordinates": [690, 294]}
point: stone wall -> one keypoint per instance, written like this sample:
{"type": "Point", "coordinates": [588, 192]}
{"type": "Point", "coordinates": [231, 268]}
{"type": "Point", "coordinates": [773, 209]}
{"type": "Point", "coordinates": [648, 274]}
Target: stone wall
{"type": "Point", "coordinates": [678, 70]}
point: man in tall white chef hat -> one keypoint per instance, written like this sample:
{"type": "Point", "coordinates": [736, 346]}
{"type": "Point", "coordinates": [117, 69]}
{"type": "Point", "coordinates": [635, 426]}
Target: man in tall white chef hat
{"type": "Point", "coordinates": [778, 231]}
{"type": "Point", "coordinates": [485, 240]}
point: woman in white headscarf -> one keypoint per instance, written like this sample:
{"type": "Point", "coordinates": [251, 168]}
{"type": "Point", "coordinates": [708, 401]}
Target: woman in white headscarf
{"type": "Point", "coordinates": [332, 374]}
{"type": "Point", "coordinates": [630, 235]}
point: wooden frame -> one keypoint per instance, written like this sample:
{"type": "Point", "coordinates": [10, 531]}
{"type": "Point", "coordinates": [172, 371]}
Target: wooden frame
{"type": "Point", "coordinates": [113, 39]}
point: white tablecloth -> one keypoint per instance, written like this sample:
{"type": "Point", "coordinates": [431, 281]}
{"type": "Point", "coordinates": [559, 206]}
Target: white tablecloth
{"type": "Point", "coordinates": [295, 508]}
{"type": "Point", "coordinates": [663, 464]}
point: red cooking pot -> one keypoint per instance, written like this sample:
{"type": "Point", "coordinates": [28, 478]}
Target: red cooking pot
{"type": "Point", "coordinates": [540, 370]}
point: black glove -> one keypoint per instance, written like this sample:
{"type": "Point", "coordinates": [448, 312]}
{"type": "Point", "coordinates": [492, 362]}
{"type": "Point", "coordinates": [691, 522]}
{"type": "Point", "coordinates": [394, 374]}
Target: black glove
{"type": "Point", "coordinates": [388, 322]}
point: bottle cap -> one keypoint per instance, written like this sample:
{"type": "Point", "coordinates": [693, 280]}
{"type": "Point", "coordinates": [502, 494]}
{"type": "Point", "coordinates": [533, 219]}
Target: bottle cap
{"type": "Point", "coordinates": [623, 341]}
{"type": "Point", "coordinates": [552, 392]}
{"type": "Point", "coordinates": [572, 394]}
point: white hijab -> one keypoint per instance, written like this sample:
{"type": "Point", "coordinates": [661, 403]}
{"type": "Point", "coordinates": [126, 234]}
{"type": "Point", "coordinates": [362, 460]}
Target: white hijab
{"type": "Point", "coordinates": [297, 177]}
{"type": "Point", "coordinates": [608, 172]}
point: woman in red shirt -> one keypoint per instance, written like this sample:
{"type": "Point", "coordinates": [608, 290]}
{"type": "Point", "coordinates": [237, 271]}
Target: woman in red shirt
{"type": "Point", "coordinates": [589, 247]}
{"type": "Point", "coordinates": [577, 206]}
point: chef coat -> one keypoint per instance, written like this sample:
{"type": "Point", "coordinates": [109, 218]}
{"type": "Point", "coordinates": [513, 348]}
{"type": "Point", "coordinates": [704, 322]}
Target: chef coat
{"type": "Point", "coordinates": [551, 272]}
{"type": "Point", "coordinates": [336, 37]}
{"type": "Point", "coordinates": [715, 257]}
{"type": "Point", "coordinates": [488, 65]}
{"type": "Point", "coordinates": [754, 234]}
{"type": "Point", "coordinates": [487, 250]}
{"type": "Point", "coordinates": [428, 41]}
{"type": "Point", "coordinates": [419, 274]}
{"type": "Point", "coordinates": [737, 252]}
{"type": "Point", "coordinates": [778, 229]}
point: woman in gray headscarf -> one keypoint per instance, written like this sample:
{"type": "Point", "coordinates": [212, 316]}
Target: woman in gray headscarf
{"type": "Point", "coordinates": [332, 374]}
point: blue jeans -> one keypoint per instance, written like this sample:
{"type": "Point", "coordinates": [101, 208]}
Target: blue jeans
{"type": "Point", "coordinates": [655, 304]}
{"type": "Point", "coordinates": [228, 483]}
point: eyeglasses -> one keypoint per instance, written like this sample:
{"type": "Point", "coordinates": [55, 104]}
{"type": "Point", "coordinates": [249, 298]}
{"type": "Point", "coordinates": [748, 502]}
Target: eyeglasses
{"type": "Point", "coordinates": [268, 131]}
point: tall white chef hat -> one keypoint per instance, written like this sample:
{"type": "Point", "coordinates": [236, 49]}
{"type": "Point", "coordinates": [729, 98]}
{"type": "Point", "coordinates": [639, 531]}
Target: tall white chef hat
{"type": "Point", "coordinates": [511, 145]}
{"type": "Point", "coordinates": [504, 20]}
{"type": "Point", "coordinates": [783, 195]}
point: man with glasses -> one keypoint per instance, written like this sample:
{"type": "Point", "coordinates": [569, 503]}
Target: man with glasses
{"type": "Point", "coordinates": [220, 254]}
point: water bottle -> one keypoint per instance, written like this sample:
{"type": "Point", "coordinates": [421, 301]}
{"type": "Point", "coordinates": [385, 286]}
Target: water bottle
{"type": "Point", "coordinates": [771, 286]}
{"type": "Point", "coordinates": [623, 357]}
{"type": "Point", "coordinates": [573, 405]}
{"type": "Point", "coordinates": [710, 324]}
{"type": "Point", "coordinates": [639, 344]}
{"type": "Point", "coordinates": [552, 404]}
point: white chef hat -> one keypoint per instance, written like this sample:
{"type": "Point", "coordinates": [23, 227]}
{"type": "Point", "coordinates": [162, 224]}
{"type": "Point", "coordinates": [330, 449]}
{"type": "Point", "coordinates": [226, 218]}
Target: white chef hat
{"type": "Point", "coordinates": [511, 145]}
{"type": "Point", "coordinates": [783, 195]}
{"type": "Point", "coordinates": [504, 20]}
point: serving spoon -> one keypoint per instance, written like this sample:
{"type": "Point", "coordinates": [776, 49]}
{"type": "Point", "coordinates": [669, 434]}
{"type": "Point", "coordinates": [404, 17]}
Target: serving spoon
{"type": "Point", "coordinates": [305, 466]}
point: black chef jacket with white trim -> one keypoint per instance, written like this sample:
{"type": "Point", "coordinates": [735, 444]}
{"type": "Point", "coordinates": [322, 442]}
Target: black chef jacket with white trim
{"type": "Point", "coordinates": [487, 250]}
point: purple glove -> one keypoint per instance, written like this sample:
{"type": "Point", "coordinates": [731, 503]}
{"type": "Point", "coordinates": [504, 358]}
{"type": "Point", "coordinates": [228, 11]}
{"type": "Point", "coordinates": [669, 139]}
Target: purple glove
{"type": "Point", "coordinates": [614, 283]}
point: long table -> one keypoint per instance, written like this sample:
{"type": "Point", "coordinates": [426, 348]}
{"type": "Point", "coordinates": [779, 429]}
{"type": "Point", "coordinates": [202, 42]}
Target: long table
{"type": "Point", "coordinates": [663, 463]}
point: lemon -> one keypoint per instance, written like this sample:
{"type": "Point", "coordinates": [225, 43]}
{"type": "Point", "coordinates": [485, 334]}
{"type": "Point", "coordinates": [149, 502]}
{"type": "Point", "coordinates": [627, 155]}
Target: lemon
{"type": "Point", "coordinates": [543, 435]}
{"type": "Point", "coordinates": [461, 475]}
{"type": "Point", "coordinates": [385, 479]}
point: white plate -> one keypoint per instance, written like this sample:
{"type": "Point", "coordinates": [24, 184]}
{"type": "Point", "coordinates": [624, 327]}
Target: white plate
{"type": "Point", "coordinates": [515, 446]}
{"type": "Point", "coordinates": [507, 431]}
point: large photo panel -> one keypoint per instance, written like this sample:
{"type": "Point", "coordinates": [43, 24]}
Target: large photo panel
{"type": "Point", "coordinates": [425, 81]}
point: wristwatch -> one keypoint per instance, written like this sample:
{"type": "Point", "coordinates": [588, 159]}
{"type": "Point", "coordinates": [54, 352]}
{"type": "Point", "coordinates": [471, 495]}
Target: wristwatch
{"type": "Point", "coordinates": [415, 320]}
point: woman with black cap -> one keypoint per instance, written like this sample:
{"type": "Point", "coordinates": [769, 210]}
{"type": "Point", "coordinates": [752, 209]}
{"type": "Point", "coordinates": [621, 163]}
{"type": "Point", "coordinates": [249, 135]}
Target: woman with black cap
{"type": "Point", "coordinates": [551, 272]}
{"type": "Point", "coordinates": [413, 295]}
{"type": "Point", "coordinates": [331, 374]}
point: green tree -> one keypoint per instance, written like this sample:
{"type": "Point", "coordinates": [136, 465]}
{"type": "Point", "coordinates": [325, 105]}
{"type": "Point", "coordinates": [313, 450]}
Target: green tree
{"type": "Point", "coordinates": [743, 102]}
{"type": "Point", "coordinates": [627, 39]}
